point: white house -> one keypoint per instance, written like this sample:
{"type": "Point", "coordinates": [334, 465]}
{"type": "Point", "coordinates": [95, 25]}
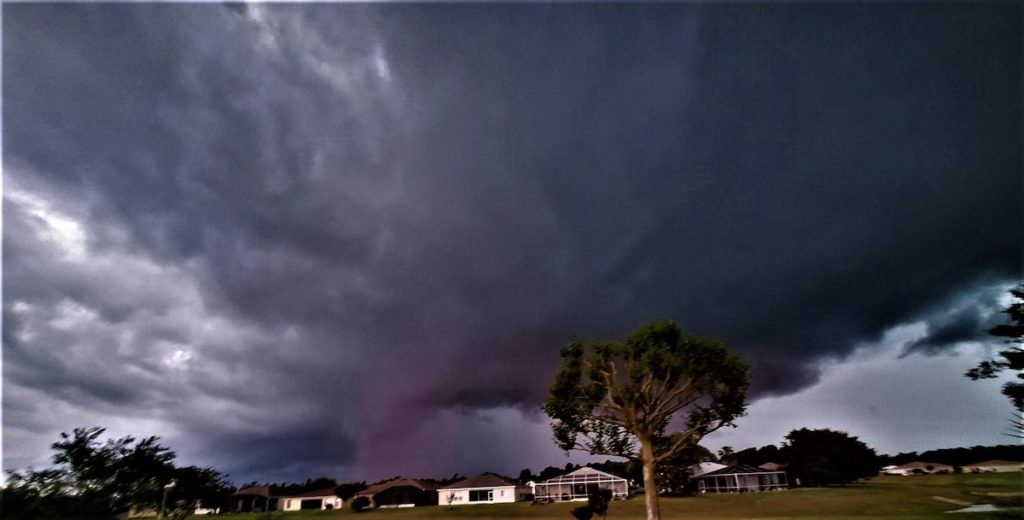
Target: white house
{"type": "Point", "coordinates": [253, 499]}
{"type": "Point", "coordinates": [918, 468]}
{"type": "Point", "coordinates": [483, 489]}
{"type": "Point", "coordinates": [579, 484]}
{"type": "Point", "coordinates": [994, 466]}
{"type": "Point", "coordinates": [316, 499]}
{"type": "Point", "coordinates": [201, 510]}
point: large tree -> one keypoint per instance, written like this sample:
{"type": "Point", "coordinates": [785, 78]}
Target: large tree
{"type": "Point", "coordinates": [103, 480]}
{"type": "Point", "coordinates": [647, 397]}
{"type": "Point", "coordinates": [1012, 358]}
{"type": "Point", "coordinates": [826, 457]}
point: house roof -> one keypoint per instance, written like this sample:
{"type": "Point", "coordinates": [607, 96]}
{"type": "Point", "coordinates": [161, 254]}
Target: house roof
{"type": "Point", "coordinates": [481, 481]}
{"type": "Point", "coordinates": [705, 467]}
{"type": "Point", "coordinates": [731, 470]}
{"type": "Point", "coordinates": [772, 466]}
{"type": "Point", "coordinates": [922, 465]}
{"type": "Point", "coordinates": [323, 492]}
{"type": "Point", "coordinates": [263, 491]}
{"type": "Point", "coordinates": [383, 486]}
{"type": "Point", "coordinates": [990, 463]}
{"type": "Point", "coordinates": [583, 475]}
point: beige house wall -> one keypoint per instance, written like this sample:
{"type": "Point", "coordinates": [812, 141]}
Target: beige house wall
{"type": "Point", "coordinates": [499, 495]}
{"type": "Point", "coordinates": [295, 503]}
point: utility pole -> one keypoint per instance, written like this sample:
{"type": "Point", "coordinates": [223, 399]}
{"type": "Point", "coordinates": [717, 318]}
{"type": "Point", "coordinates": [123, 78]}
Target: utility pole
{"type": "Point", "coordinates": [163, 501]}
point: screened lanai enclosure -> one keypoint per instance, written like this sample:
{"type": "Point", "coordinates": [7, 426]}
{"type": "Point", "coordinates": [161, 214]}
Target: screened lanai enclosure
{"type": "Point", "coordinates": [578, 485]}
{"type": "Point", "coordinates": [740, 479]}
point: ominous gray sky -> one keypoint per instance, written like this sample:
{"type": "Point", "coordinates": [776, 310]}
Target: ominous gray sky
{"type": "Point", "coordinates": [348, 240]}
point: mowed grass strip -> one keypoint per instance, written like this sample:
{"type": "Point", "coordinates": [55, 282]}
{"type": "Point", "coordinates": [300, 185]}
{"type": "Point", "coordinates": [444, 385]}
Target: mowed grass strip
{"type": "Point", "coordinates": [878, 498]}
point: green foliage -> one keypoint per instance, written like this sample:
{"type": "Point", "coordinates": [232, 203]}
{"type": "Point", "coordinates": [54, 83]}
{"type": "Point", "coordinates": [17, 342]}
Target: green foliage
{"type": "Point", "coordinates": [597, 505]}
{"type": "Point", "coordinates": [39, 494]}
{"type": "Point", "coordinates": [94, 480]}
{"type": "Point", "coordinates": [674, 472]}
{"type": "Point", "coordinates": [348, 490]}
{"type": "Point", "coordinates": [194, 486]}
{"type": "Point", "coordinates": [958, 456]}
{"type": "Point", "coordinates": [825, 457]}
{"type": "Point", "coordinates": [726, 455]}
{"type": "Point", "coordinates": [103, 480]}
{"type": "Point", "coordinates": [582, 513]}
{"type": "Point", "coordinates": [605, 395]}
{"type": "Point", "coordinates": [1011, 358]}
{"type": "Point", "coordinates": [757, 456]}
{"type": "Point", "coordinates": [628, 469]}
{"type": "Point", "coordinates": [618, 398]}
{"type": "Point", "coordinates": [525, 475]}
{"type": "Point", "coordinates": [549, 472]}
{"type": "Point", "coordinates": [318, 483]}
{"type": "Point", "coordinates": [360, 504]}
{"type": "Point", "coordinates": [599, 501]}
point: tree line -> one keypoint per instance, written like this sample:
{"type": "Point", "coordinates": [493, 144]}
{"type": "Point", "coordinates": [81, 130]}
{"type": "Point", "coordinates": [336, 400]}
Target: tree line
{"type": "Point", "coordinates": [97, 480]}
{"type": "Point", "coordinates": [957, 457]}
{"type": "Point", "coordinates": [821, 457]}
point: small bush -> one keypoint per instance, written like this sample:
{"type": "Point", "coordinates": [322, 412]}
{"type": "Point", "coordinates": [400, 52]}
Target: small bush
{"type": "Point", "coordinates": [583, 513]}
{"type": "Point", "coordinates": [360, 504]}
{"type": "Point", "coordinates": [597, 505]}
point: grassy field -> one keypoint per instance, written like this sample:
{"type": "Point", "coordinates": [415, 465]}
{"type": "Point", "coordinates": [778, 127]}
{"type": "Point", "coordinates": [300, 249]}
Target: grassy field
{"type": "Point", "coordinates": [879, 498]}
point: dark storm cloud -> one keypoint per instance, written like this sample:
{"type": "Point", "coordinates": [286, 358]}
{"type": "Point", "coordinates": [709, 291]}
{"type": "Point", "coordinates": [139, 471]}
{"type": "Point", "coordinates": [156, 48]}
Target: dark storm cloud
{"type": "Point", "coordinates": [968, 320]}
{"type": "Point", "coordinates": [963, 326]}
{"type": "Point", "coordinates": [284, 453]}
{"type": "Point", "coordinates": [360, 217]}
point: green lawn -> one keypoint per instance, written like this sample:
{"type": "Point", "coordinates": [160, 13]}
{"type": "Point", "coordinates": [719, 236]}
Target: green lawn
{"type": "Point", "coordinates": [878, 498]}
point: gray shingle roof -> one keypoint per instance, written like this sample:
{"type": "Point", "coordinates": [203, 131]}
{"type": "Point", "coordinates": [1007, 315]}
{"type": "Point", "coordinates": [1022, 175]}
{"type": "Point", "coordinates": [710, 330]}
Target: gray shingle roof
{"type": "Point", "coordinates": [377, 488]}
{"type": "Point", "coordinates": [481, 481]}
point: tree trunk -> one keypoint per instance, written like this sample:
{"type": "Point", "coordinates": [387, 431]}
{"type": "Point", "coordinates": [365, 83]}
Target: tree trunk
{"type": "Point", "coordinates": [650, 478]}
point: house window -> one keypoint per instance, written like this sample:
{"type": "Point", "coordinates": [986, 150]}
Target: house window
{"type": "Point", "coordinates": [502, 492]}
{"type": "Point", "coordinates": [481, 495]}
{"type": "Point", "coordinates": [287, 504]}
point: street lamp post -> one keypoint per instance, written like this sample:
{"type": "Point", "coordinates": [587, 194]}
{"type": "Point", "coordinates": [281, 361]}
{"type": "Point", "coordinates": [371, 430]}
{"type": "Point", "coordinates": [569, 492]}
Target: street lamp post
{"type": "Point", "coordinates": [163, 501]}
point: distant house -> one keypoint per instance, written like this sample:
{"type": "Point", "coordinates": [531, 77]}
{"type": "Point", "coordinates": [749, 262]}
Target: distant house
{"type": "Point", "coordinates": [201, 509]}
{"type": "Point", "coordinates": [253, 498]}
{"type": "Point", "coordinates": [740, 479]}
{"type": "Point", "coordinates": [994, 466]}
{"type": "Point", "coordinates": [401, 492]}
{"type": "Point", "coordinates": [918, 468]}
{"type": "Point", "coordinates": [578, 485]}
{"type": "Point", "coordinates": [314, 499]}
{"type": "Point", "coordinates": [483, 489]}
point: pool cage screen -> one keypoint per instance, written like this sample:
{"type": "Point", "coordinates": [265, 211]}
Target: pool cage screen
{"type": "Point", "coordinates": [578, 485]}
{"type": "Point", "coordinates": [741, 482]}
